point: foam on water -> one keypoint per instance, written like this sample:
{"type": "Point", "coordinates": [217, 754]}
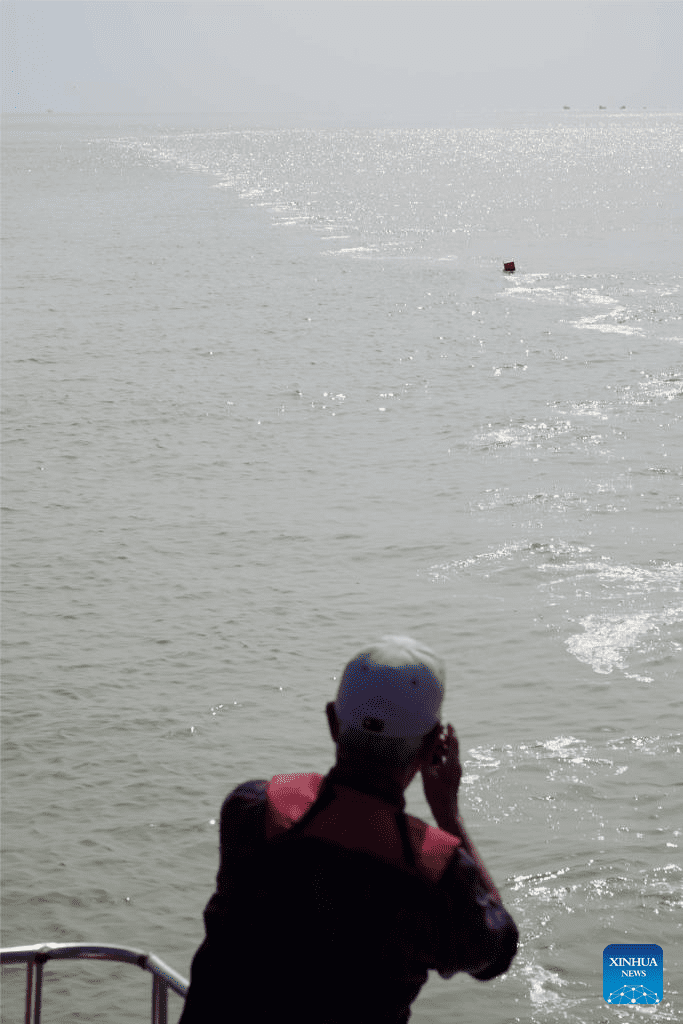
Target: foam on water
{"type": "Point", "coordinates": [600, 324]}
{"type": "Point", "coordinates": [608, 640]}
{"type": "Point", "coordinates": [647, 628]}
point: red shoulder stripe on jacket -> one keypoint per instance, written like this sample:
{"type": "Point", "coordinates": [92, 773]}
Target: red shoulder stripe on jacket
{"type": "Point", "coordinates": [356, 819]}
{"type": "Point", "coordinates": [289, 797]}
{"type": "Point", "coordinates": [433, 847]}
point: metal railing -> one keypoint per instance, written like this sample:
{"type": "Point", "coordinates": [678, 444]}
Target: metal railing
{"type": "Point", "coordinates": [163, 976]}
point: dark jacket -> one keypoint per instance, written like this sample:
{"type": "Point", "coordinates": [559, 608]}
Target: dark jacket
{"type": "Point", "coordinates": [332, 904]}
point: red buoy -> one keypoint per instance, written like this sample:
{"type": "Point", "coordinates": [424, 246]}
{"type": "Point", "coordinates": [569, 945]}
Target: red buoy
{"type": "Point", "coordinates": [509, 267]}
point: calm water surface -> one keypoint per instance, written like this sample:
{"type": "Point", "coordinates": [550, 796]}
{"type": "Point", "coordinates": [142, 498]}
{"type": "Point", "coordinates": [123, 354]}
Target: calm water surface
{"type": "Point", "coordinates": [267, 395]}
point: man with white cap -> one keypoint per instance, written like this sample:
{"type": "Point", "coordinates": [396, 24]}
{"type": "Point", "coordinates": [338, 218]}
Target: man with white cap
{"type": "Point", "coordinates": [332, 904]}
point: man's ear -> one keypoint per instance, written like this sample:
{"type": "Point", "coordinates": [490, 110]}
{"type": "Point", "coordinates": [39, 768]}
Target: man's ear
{"type": "Point", "coordinates": [332, 720]}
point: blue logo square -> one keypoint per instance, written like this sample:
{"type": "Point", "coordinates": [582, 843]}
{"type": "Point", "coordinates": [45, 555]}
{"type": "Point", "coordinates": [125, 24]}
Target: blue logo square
{"type": "Point", "coordinates": [632, 973]}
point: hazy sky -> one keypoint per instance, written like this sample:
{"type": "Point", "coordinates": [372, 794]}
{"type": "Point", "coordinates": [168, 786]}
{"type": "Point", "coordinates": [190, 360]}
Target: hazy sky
{"type": "Point", "coordinates": [341, 61]}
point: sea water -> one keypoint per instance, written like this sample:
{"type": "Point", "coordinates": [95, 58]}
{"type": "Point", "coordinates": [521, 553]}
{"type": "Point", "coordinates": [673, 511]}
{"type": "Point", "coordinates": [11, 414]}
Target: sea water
{"type": "Point", "coordinates": [269, 394]}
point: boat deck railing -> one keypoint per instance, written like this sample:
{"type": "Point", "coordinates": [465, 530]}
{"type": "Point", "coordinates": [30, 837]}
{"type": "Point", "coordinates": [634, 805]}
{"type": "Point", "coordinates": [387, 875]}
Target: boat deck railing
{"type": "Point", "coordinates": [35, 957]}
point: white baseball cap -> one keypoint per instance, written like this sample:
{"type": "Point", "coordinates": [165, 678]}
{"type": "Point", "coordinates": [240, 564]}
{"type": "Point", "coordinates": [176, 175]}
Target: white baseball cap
{"type": "Point", "coordinates": [392, 688]}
